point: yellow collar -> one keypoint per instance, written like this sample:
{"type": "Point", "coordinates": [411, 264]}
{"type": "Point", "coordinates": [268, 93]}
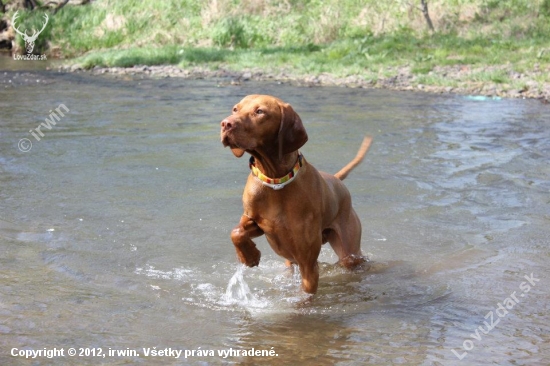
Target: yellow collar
{"type": "Point", "coordinates": [276, 183]}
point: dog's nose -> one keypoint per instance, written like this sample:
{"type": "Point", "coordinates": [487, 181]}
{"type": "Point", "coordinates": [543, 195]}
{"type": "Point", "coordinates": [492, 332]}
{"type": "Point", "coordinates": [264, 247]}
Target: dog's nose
{"type": "Point", "coordinates": [226, 125]}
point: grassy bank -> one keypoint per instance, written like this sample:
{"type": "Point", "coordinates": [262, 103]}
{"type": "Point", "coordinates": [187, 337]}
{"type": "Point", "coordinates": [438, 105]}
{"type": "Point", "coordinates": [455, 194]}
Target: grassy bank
{"type": "Point", "coordinates": [495, 40]}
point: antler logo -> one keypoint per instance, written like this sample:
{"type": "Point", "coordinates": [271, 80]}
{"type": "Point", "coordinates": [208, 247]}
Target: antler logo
{"type": "Point", "coordinates": [29, 40]}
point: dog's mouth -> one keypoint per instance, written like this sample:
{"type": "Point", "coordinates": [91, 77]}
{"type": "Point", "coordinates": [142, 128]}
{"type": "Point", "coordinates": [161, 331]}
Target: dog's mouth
{"type": "Point", "coordinates": [235, 148]}
{"type": "Point", "coordinates": [226, 140]}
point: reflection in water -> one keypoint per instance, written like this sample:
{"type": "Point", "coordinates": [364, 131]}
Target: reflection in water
{"type": "Point", "coordinates": [115, 227]}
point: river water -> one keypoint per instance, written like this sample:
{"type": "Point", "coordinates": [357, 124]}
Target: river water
{"type": "Point", "coordinates": [114, 228]}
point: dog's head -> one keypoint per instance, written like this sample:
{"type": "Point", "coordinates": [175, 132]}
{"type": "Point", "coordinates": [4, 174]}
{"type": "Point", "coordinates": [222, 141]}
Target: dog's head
{"type": "Point", "coordinates": [263, 123]}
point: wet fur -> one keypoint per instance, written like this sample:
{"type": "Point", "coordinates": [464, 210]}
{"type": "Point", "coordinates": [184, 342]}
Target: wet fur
{"type": "Point", "coordinates": [312, 210]}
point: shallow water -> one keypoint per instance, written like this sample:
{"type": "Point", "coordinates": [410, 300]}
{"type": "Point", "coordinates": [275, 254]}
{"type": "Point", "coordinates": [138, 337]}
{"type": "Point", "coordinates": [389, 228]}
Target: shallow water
{"type": "Point", "coordinates": [114, 228]}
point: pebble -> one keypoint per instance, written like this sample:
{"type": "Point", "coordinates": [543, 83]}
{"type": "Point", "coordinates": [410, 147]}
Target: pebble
{"type": "Point", "coordinates": [403, 79]}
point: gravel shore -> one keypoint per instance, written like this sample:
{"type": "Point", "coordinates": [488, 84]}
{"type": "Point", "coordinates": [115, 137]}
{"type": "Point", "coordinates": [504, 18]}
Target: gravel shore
{"type": "Point", "coordinates": [461, 77]}
{"type": "Point", "coordinates": [525, 85]}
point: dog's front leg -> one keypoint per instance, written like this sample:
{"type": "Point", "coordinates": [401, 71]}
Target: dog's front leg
{"type": "Point", "coordinates": [242, 236]}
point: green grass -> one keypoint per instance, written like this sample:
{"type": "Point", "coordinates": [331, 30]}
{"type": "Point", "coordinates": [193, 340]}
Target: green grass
{"type": "Point", "coordinates": [154, 56]}
{"type": "Point", "coordinates": [341, 37]}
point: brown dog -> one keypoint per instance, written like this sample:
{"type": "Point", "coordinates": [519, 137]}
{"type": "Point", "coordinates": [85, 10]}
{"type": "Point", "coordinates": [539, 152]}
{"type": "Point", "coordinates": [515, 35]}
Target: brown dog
{"type": "Point", "coordinates": [302, 208]}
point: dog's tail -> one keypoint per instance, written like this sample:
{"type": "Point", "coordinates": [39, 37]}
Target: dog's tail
{"type": "Point", "coordinates": [343, 173]}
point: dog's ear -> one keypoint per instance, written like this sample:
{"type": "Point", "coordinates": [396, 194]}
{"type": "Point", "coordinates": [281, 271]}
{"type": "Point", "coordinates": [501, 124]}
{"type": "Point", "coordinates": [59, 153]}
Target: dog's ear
{"type": "Point", "coordinates": [292, 134]}
{"type": "Point", "coordinates": [238, 152]}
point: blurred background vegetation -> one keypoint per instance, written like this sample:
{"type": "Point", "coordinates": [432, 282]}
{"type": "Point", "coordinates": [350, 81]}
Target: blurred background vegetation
{"type": "Point", "coordinates": [342, 37]}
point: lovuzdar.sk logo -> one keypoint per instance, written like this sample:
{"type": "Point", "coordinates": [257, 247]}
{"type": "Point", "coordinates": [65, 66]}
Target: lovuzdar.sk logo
{"type": "Point", "coordinates": [29, 40]}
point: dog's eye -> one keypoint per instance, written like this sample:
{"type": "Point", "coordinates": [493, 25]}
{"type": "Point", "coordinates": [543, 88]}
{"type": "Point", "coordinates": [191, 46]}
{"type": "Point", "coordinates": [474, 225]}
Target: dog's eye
{"type": "Point", "coordinates": [234, 109]}
{"type": "Point", "coordinates": [259, 111]}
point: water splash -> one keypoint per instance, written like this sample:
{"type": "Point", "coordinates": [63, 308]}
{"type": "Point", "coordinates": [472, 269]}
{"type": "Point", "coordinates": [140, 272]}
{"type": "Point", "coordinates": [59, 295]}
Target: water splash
{"type": "Point", "coordinates": [238, 292]}
{"type": "Point", "coordinates": [176, 273]}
